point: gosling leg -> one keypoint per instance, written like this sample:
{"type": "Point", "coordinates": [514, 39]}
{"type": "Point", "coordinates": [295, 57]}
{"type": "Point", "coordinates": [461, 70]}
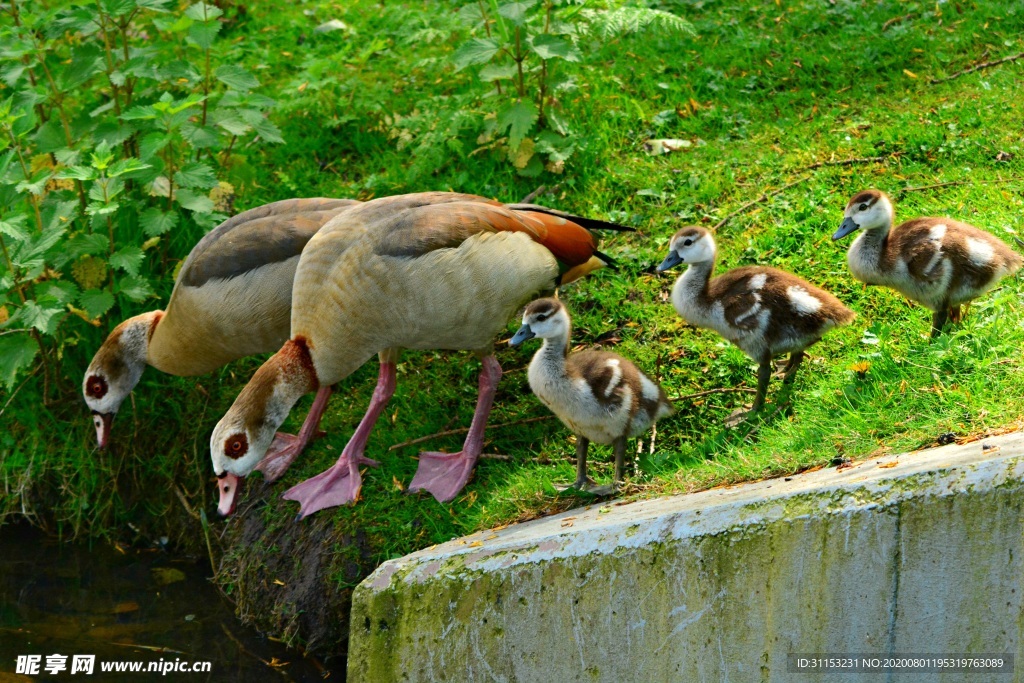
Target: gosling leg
{"type": "Point", "coordinates": [939, 320]}
{"type": "Point", "coordinates": [620, 460]}
{"type": "Point", "coordinates": [583, 482]}
{"type": "Point", "coordinates": [789, 374]}
{"type": "Point", "coordinates": [764, 375]}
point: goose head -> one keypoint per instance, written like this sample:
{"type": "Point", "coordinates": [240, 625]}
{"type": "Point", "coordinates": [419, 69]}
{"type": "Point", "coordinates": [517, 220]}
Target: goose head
{"type": "Point", "coordinates": [116, 369]}
{"type": "Point", "coordinates": [868, 210]}
{"type": "Point", "coordinates": [545, 318]}
{"type": "Point", "coordinates": [689, 245]}
{"type": "Point", "coordinates": [243, 436]}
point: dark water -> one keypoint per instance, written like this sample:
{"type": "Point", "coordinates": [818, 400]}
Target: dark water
{"type": "Point", "coordinates": [128, 606]}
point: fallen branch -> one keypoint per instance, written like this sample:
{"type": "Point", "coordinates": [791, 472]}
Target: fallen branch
{"type": "Point", "coordinates": [763, 198]}
{"type": "Point", "coordinates": [896, 20]}
{"type": "Point", "coordinates": [726, 390]}
{"type": "Point", "coordinates": [242, 648]}
{"type": "Point", "coordinates": [956, 182]}
{"type": "Point", "coordinates": [539, 191]}
{"type": "Point", "coordinates": [463, 430]}
{"type": "Point", "coordinates": [847, 162]}
{"type": "Point", "coordinates": [978, 67]}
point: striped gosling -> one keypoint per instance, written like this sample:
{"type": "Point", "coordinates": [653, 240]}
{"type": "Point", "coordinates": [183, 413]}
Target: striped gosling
{"type": "Point", "coordinates": [937, 262]}
{"type": "Point", "coordinates": [764, 311]}
{"type": "Point", "coordinates": [600, 396]}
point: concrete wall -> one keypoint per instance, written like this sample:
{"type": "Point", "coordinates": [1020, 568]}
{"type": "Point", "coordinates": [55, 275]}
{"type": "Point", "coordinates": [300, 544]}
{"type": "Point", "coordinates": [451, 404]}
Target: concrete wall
{"type": "Point", "coordinates": [917, 553]}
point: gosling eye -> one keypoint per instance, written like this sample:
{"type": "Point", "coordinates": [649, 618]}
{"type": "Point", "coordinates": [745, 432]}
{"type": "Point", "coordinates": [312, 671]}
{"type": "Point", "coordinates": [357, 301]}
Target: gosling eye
{"type": "Point", "coordinates": [862, 207]}
{"type": "Point", "coordinates": [542, 317]}
{"type": "Point", "coordinates": [687, 243]}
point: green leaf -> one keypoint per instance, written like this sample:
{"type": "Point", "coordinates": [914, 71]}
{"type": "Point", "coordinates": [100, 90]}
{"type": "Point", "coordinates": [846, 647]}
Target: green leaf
{"type": "Point", "coordinates": [232, 123]}
{"type": "Point", "coordinates": [236, 77]}
{"type": "Point", "coordinates": [78, 173]}
{"type": "Point", "coordinates": [13, 228]}
{"type": "Point", "coordinates": [204, 33]}
{"type": "Point", "coordinates": [60, 290]}
{"type": "Point", "coordinates": [135, 288]}
{"type": "Point", "coordinates": [474, 51]}
{"type": "Point", "coordinates": [195, 174]}
{"type": "Point", "coordinates": [40, 314]}
{"type": "Point", "coordinates": [129, 259]}
{"type": "Point", "coordinates": [127, 166]}
{"type": "Point", "coordinates": [202, 11]}
{"type": "Point", "coordinates": [516, 11]}
{"type": "Point", "coordinates": [156, 222]}
{"type": "Point", "coordinates": [625, 20]}
{"type": "Point", "coordinates": [85, 62]}
{"type": "Point", "coordinates": [92, 243]}
{"type": "Point", "coordinates": [200, 137]}
{"type": "Point", "coordinates": [193, 201]}
{"type": "Point", "coordinates": [548, 46]}
{"type": "Point", "coordinates": [494, 72]}
{"type": "Point", "coordinates": [95, 302]}
{"type": "Point", "coordinates": [17, 351]}
{"type": "Point", "coordinates": [518, 118]}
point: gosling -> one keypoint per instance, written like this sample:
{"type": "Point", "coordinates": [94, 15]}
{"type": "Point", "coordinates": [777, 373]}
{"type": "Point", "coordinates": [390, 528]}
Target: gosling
{"type": "Point", "coordinates": [937, 262]}
{"type": "Point", "coordinates": [764, 311]}
{"type": "Point", "coordinates": [600, 396]}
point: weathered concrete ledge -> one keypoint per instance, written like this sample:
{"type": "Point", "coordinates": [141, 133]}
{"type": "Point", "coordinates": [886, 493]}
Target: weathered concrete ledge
{"type": "Point", "coordinates": [915, 553]}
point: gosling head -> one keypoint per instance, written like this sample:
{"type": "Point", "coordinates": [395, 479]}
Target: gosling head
{"type": "Point", "coordinates": [116, 369]}
{"type": "Point", "coordinates": [544, 318]}
{"type": "Point", "coordinates": [690, 245]}
{"type": "Point", "coordinates": [868, 210]}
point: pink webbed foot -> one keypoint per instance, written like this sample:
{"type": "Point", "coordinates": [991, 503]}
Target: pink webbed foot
{"type": "Point", "coordinates": [281, 454]}
{"type": "Point", "coordinates": [338, 485]}
{"type": "Point", "coordinates": [443, 474]}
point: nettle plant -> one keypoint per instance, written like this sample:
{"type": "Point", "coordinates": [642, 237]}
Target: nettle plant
{"type": "Point", "coordinates": [120, 143]}
{"type": "Point", "coordinates": [524, 49]}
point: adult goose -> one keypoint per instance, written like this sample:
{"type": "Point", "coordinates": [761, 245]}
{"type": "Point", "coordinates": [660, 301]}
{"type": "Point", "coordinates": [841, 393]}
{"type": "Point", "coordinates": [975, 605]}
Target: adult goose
{"type": "Point", "coordinates": [938, 262]}
{"type": "Point", "coordinates": [764, 311]}
{"type": "Point", "coordinates": [600, 396]}
{"type": "Point", "coordinates": [232, 298]}
{"type": "Point", "coordinates": [435, 270]}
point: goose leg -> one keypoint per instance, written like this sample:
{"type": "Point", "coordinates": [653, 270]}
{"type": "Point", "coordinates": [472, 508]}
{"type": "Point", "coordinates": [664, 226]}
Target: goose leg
{"type": "Point", "coordinates": [444, 474]}
{"type": "Point", "coordinates": [340, 484]}
{"type": "Point", "coordinates": [939, 320]}
{"type": "Point", "coordinates": [285, 447]}
{"type": "Point", "coordinates": [583, 482]}
{"type": "Point", "coordinates": [954, 315]}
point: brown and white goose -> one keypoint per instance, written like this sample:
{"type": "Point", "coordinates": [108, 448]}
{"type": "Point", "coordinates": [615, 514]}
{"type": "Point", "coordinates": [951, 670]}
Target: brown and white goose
{"type": "Point", "coordinates": [600, 396]}
{"type": "Point", "coordinates": [232, 298]}
{"type": "Point", "coordinates": [938, 262]}
{"type": "Point", "coordinates": [438, 270]}
{"type": "Point", "coordinates": [764, 311]}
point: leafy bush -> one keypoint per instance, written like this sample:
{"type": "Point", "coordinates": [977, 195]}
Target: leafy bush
{"type": "Point", "coordinates": [120, 143]}
{"type": "Point", "coordinates": [522, 48]}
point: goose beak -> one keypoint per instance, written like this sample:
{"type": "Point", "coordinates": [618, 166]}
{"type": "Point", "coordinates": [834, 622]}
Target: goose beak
{"type": "Point", "coordinates": [845, 229]}
{"type": "Point", "coordinates": [102, 421]}
{"type": "Point", "coordinates": [522, 335]}
{"type": "Point", "coordinates": [229, 485]}
{"type": "Point", "coordinates": [671, 261]}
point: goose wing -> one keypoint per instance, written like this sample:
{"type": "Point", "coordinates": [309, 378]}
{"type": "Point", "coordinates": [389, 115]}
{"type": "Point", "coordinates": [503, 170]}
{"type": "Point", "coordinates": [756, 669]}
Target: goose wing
{"type": "Point", "coordinates": [267, 234]}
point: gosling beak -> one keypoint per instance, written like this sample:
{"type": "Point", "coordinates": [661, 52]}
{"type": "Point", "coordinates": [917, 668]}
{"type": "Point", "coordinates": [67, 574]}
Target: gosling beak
{"type": "Point", "coordinates": [102, 421]}
{"type": "Point", "coordinates": [671, 261]}
{"type": "Point", "coordinates": [229, 485]}
{"type": "Point", "coordinates": [845, 229]}
{"type": "Point", "coordinates": [522, 335]}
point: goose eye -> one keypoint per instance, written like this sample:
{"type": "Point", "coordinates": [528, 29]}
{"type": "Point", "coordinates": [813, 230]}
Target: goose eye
{"type": "Point", "coordinates": [96, 387]}
{"type": "Point", "coordinates": [862, 207]}
{"type": "Point", "coordinates": [236, 446]}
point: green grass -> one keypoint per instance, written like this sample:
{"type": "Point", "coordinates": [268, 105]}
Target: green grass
{"type": "Point", "coordinates": [774, 88]}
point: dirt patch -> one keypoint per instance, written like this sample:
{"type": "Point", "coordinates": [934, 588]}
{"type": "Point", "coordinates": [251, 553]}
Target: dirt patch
{"type": "Point", "coordinates": [293, 579]}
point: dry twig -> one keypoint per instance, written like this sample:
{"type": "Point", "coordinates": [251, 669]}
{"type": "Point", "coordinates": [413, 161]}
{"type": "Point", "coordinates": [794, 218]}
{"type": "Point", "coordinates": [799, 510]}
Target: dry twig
{"type": "Point", "coordinates": [955, 182]}
{"type": "Point", "coordinates": [847, 162]}
{"type": "Point", "coordinates": [724, 390]}
{"type": "Point", "coordinates": [763, 198]}
{"type": "Point", "coordinates": [463, 430]}
{"type": "Point", "coordinates": [977, 67]}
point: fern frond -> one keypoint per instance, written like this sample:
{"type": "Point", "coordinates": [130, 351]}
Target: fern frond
{"type": "Point", "coordinates": [627, 20]}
